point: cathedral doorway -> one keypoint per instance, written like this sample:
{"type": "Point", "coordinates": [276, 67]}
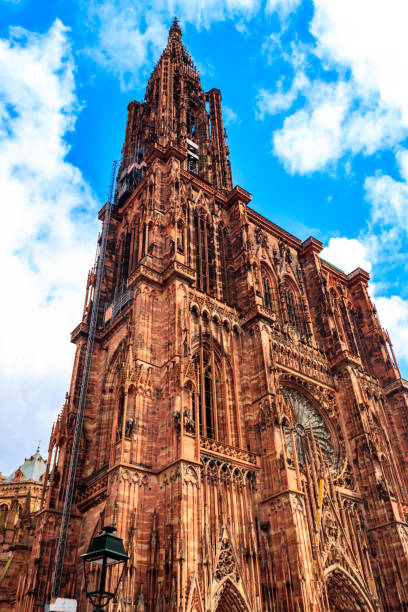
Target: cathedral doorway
{"type": "Point", "coordinates": [230, 599]}
{"type": "Point", "coordinates": [344, 594]}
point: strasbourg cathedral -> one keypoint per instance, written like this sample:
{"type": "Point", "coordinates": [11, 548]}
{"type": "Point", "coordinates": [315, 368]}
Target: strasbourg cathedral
{"type": "Point", "coordinates": [246, 424]}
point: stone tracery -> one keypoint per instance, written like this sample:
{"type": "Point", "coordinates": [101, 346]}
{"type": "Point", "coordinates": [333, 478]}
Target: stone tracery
{"type": "Point", "coordinates": [305, 424]}
{"type": "Point", "coordinates": [222, 338]}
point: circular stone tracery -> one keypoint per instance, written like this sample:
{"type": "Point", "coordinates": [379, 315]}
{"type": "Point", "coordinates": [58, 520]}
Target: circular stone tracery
{"type": "Point", "coordinates": [306, 418]}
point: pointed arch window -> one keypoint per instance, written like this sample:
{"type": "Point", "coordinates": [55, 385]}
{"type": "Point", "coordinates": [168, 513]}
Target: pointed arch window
{"type": "Point", "coordinates": [180, 237]}
{"type": "Point", "coordinates": [343, 321]}
{"type": "Point", "coordinates": [294, 309]}
{"type": "Point", "coordinates": [205, 253]}
{"type": "Point", "coordinates": [268, 293]}
{"type": "Point", "coordinates": [348, 328]}
{"type": "Point", "coordinates": [144, 231]}
{"type": "Point", "coordinates": [190, 121]}
{"type": "Point", "coordinates": [228, 293]}
{"type": "Point", "coordinates": [213, 395]}
{"type": "Point", "coordinates": [207, 394]}
{"type": "Point", "coordinates": [334, 300]}
{"type": "Point", "coordinates": [124, 264]}
{"type": "Point", "coordinates": [135, 246]}
{"type": "Point", "coordinates": [3, 516]}
{"type": "Point", "coordinates": [121, 407]}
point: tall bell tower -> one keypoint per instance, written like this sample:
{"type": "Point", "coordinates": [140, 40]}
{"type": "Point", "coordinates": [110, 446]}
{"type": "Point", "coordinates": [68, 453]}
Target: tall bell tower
{"type": "Point", "coordinates": [176, 111]}
{"type": "Point", "coordinates": [245, 426]}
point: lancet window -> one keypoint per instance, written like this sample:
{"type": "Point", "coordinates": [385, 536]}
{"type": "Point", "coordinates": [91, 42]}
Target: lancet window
{"type": "Point", "coordinates": [348, 329]}
{"type": "Point", "coordinates": [334, 300]}
{"type": "Point", "coordinates": [343, 321]}
{"type": "Point", "coordinates": [3, 516]}
{"type": "Point", "coordinates": [204, 253]}
{"type": "Point", "coordinates": [124, 264]}
{"type": "Point", "coordinates": [123, 261]}
{"type": "Point", "coordinates": [190, 121]}
{"type": "Point", "coordinates": [120, 416]}
{"type": "Point", "coordinates": [268, 293]}
{"type": "Point", "coordinates": [213, 398]}
{"type": "Point", "coordinates": [294, 309]}
{"type": "Point", "coordinates": [228, 293]}
{"type": "Point", "coordinates": [134, 247]}
{"type": "Point", "coordinates": [144, 241]}
{"type": "Point", "coordinates": [180, 237]}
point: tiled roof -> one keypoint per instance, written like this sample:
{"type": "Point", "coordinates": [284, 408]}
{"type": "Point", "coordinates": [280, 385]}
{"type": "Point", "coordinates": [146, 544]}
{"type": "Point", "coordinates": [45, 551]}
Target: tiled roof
{"type": "Point", "coordinates": [33, 468]}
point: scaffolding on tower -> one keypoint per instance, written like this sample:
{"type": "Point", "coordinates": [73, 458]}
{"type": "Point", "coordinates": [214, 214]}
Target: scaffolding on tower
{"type": "Point", "coordinates": [70, 488]}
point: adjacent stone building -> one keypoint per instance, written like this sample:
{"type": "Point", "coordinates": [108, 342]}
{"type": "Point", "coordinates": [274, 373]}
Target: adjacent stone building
{"type": "Point", "coordinates": [20, 499]}
{"type": "Point", "coordinates": [246, 422]}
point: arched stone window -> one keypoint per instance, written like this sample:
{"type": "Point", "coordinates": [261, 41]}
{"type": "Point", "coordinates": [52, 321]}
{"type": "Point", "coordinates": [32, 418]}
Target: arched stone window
{"type": "Point", "coordinates": [227, 284]}
{"type": "Point", "coordinates": [180, 237]}
{"type": "Point", "coordinates": [14, 513]}
{"type": "Point", "coordinates": [119, 428]}
{"type": "Point", "coordinates": [125, 255]}
{"type": "Point", "coordinates": [216, 420]}
{"type": "Point", "coordinates": [135, 245]}
{"type": "Point", "coordinates": [268, 289]}
{"type": "Point", "coordinates": [191, 121]}
{"type": "Point", "coordinates": [334, 300]}
{"type": "Point", "coordinates": [204, 253]}
{"type": "Point", "coordinates": [343, 320]}
{"type": "Point", "coordinates": [145, 241]}
{"type": "Point", "coordinates": [294, 308]}
{"type": "Point", "coordinates": [347, 326]}
{"type": "Point", "coordinates": [3, 516]}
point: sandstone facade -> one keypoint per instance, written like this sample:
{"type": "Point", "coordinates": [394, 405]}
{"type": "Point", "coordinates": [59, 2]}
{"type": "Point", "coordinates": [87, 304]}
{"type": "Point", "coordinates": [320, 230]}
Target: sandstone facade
{"type": "Point", "coordinates": [246, 422]}
{"type": "Point", "coordinates": [20, 500]}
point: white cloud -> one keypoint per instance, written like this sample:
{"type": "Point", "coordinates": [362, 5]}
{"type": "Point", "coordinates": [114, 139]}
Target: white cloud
{"type": "Point", "coordinates": [311, 137]}
{"type": "Point", "coordinates": [351, 253]}
{"type": "Point", "coordinates": [393, 313]}
{"type": "Point", "coordinates": [347, 254]}
{"type": "Point", "coordinates": [126, 45]}
{"type": "Point", "coordinates": [365, 109]}
{"type": "Point", "coordinates": [369, 37]}
{"type": "Point", "coordinates": [242, 28]}
{"type": "Point", "coordinates": [230, 116]}
{"type": "Point", "coordinates": [335, 120]}
{"type": "Point", "coordinates": [283, 7]}
{"type": "Point", "coordinates": [47, 245]}
{"type": "Point", "coordinates": [389, 197]}
{"type": "Point", "coordinates": [129, 36]}
{"type": "Point", "coordinates": [205, 12]}
{"type": "Point", "coordinates": [271, 103]}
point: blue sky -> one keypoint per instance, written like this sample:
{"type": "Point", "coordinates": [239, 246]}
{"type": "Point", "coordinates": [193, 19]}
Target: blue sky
{"type": "Point", "coordinates": [315, 102]}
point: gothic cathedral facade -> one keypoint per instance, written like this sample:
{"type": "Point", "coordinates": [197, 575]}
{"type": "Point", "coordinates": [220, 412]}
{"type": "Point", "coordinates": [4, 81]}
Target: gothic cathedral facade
{"type": "Point", "coordinates": [246, 423]}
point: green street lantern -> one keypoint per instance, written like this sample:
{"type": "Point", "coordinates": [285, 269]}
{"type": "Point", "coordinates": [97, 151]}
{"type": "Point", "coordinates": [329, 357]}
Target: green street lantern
{"type": "Point", "coordinates": [105, 551]}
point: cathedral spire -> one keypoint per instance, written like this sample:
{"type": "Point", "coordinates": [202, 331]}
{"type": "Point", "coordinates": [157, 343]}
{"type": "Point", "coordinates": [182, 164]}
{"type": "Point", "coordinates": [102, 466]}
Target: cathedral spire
{"type": "Point", "coordinates": [175, 32]}
{"type": "Point", "coordinates": [177, 111]}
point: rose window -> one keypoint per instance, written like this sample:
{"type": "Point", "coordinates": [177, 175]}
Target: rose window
{"type": "Point", "coordinates": [305, 419]}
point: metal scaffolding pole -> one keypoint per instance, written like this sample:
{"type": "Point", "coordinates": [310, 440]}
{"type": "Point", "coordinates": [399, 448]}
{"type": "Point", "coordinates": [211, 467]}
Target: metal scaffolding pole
{"type": "Point", "coordinates": [69, 493]}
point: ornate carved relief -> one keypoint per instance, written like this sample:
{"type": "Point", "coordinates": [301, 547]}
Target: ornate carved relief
{"type": "Point", "coordinates": [303, 422]}
{"type": "Point", "coordinates": [226, 565]}
{"type": "Point", "coordinates": [231, 451]}
{"type": "Point", "coordinates": [218, 470]}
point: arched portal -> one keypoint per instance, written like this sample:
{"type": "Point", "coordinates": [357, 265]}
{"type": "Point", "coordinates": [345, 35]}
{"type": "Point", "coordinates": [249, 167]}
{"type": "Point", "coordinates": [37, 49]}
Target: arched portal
{"type": "Point", "coordinates": [229, 599]}
{"type": "Point", "coordinates": [344, 594]}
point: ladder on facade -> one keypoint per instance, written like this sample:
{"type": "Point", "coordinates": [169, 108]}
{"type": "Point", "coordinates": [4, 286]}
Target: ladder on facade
{"type": "Point", "coordinates": [70, 487]}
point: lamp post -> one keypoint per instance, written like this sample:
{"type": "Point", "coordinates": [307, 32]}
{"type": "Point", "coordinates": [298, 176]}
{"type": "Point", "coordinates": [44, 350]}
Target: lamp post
{"type": "Point", "coordinates": [105, 551]}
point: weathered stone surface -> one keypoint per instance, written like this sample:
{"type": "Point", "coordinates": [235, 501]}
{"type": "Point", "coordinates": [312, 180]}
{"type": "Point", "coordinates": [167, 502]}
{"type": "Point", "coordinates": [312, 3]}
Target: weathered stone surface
{"type": "Point", "coordinates": [20, 499]}
{"type": "Point", "coordinates": [246, 423]}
